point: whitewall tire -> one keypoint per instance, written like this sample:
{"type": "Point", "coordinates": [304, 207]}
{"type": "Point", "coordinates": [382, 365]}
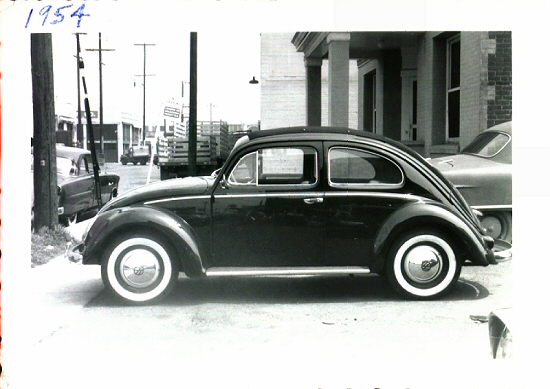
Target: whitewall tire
{"type": "Point", "coordinates": [139, 269]}
{"type": "Point", "coordinates": [422, 265]}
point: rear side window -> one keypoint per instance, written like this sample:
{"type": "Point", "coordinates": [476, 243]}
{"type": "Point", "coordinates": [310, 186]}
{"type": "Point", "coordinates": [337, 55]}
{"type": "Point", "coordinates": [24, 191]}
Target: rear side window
{"type": "Point", "coordinates": [277, 166]}
{"type": "Point", "coordinates": [487, 144]}
{"type": "Point", "coordinates": [350, 167]}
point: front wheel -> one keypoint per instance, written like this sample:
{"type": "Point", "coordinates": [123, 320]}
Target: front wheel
{"type": "Point", "coordinates": [139, 269]}
{"type": "Point", "coordinates": [422, 265]}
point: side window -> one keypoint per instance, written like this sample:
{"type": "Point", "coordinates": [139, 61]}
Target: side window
{"type": "Point", "coordinates": [352, 167]}
{"type": "Point", "coordinates": [276, 166]}
{"type": "Point", "coordinates": [244, 172]}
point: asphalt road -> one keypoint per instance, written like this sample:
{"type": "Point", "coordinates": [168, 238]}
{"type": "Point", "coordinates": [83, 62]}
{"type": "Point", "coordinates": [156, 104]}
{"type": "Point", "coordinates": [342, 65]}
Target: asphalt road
{"type": "Point", "coordinates": [313, 332]}
{"type": "Point", "coordinates": [271, 332]}
{"type": "Point", "coordinates": [133, 176]}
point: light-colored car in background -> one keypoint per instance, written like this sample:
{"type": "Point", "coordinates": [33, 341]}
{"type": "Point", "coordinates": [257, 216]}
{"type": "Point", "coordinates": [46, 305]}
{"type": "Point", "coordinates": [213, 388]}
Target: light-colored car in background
{"type": "Point", "coordinates": [482, 172]}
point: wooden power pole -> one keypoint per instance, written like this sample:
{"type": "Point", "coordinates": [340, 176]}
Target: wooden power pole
{"type": "Point", "coordinates": [45, 169]}
{"type": "Point", "coordinates": [101, 137]}
{"type": "Point", "coordinates": [142, 141]}
{"type": "Point", "coordinates": [192, 153]}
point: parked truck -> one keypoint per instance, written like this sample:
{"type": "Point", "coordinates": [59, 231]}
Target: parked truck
{"type": "Point", "coordinates": [137, 154]}
{"type": "Point", "coordinates": [214, 144]}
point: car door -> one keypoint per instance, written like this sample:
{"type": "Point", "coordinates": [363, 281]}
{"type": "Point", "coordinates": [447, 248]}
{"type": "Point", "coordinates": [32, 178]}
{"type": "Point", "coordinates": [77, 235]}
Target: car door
{"type": "Point", "coordinates": [364, 188]}
{"type": "Point", "coordinates": [79, 188]}
{"type": "Point", "coordinates": [269, 212]}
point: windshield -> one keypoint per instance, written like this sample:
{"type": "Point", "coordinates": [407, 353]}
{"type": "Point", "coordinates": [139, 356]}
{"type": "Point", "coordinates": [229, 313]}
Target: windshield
{"type": "Point", "coordinates": [487, 144]}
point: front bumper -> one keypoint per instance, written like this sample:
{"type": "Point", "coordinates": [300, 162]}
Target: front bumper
{"type": "Point", "coordinates": [75, 235]}
{"type": "Point", "coordinates": [73, 252]}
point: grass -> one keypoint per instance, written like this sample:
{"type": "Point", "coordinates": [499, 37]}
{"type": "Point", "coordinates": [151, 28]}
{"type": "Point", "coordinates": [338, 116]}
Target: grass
{"type": "Point", "coordinates": [46, 244]}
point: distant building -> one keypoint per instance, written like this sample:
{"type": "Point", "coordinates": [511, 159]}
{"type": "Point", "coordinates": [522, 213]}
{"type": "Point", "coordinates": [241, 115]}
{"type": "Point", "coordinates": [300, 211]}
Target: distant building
{"type": "Point", "coordinates": [119, 132]}
{"type": "Point", "coordinates": [434, 91]}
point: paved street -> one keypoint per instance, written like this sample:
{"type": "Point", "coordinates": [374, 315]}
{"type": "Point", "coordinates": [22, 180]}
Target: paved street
{"type": "Point", "coordinates": [307, 332]}
{"type": "Point", "coordinates": [264, 332]}
{"type": "Point", "coordinates": [133, 176]}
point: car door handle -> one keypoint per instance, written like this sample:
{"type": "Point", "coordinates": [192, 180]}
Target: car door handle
{"type": "Point", "coordinates": [314, 200]}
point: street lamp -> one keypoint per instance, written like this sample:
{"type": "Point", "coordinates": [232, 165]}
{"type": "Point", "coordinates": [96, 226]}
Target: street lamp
{"type": "Point", "coordinates": [254, 82]}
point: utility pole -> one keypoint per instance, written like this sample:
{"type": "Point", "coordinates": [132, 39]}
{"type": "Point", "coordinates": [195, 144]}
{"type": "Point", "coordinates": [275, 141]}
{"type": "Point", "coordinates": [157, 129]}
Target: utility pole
{"type": "Point", "coordinates": [45, 166]}
{"type": "Point", "coordinates": [211, 106]}
{"type": "Point", "coordinates": [79, 130]}
{"type": "Point", "coordinates": [144, 76]}
{"type": "Point", "coordinates": [193, 107]}
{"type": "Point", "coordinates": [100, 50]}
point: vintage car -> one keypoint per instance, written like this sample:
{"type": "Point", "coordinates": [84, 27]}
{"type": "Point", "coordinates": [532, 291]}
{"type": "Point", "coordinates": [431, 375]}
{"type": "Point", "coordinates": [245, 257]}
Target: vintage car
{"type": "Point", "coordinates": [76, 184]}
{"type": "Point", "coordinates": [287, 202]}
{"type": "Point", "coordinates": [482, 172]}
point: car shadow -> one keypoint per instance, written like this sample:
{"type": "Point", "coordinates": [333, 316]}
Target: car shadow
{"type": "Point", "coordinates": [289, 290]}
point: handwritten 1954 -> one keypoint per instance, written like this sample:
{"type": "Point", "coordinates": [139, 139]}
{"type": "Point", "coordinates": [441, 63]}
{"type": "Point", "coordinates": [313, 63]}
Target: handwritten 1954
{"type": "Point", "coordinates": [57, 16]}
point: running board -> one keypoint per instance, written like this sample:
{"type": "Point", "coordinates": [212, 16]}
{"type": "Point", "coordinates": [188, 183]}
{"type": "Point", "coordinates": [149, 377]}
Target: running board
{"type": "Point", "coordinates": [285, 271]}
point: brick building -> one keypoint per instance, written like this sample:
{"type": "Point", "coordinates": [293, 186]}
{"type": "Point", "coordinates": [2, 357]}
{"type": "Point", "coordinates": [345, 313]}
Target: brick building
{"type": "Point", "coordinates": [434, 91]}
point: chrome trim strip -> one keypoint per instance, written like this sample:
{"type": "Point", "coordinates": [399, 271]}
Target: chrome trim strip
{"type": "Point", "coordinates": [177, 199]}
{"type": "Point", "coordinates": [285, 271]}
{"type": "Point", "coordinates": [299, 195]}
{"type": "Point", "coordinates": [492, 207]}
{"type": "Point", "coordinates": [280, 194]}
{"type": "Point", "coordinates": [404, 196]}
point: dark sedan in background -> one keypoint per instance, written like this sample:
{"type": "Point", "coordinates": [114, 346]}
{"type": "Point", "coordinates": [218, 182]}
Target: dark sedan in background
{"type": "Point", "coordinates": [296, 201]}
{"type": "Point", "coordinates": [76, 184]}
{"type": "Point", "coordinates": [482, 172]}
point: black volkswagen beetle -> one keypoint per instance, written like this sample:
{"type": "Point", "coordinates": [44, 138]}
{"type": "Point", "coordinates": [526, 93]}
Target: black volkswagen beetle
{"type": "Point", "coordinates": [293, 201]}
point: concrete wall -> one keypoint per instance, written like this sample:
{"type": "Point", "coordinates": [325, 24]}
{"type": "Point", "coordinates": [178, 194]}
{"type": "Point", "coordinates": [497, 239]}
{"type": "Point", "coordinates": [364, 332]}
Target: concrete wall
{"type": "Point", "coordinates": [283, 85]}
{"type": "Point", "coordinates": [283, 82]}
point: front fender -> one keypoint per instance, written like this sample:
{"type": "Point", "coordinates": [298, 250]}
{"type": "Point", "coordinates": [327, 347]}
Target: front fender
{"type": "Point", "coordinates": [111, 224]}
{"type": "Point", "coordinates": [472, 245]}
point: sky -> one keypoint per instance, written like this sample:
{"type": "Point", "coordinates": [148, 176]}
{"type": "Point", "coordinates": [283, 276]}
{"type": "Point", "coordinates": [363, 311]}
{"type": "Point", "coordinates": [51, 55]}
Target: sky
{"type": "Point", "coordinates": [225, 65]}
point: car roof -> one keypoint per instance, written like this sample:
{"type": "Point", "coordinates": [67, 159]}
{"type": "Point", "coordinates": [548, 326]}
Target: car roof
{"type": "Point", "coordinates": [325, 132]}
{"type": "Point", "coordinates": [73, 153]}
{"type": "Point", "coordinates": [502, 127]}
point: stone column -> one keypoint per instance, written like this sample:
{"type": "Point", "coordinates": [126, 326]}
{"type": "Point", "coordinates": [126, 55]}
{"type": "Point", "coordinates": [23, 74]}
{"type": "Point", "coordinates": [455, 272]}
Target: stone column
{"type": "Point", "coordinates": [338, 78]}
{"type": "Point", "coordinates": [313, 90]}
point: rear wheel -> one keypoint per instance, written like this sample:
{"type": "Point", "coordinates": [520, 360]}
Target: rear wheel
{"type": "Point", "coordinates": [422, 265]}
{"type": "Point", "coordinates": [139, 268]}
{"type": "Point", "coordinates": [498, 225]}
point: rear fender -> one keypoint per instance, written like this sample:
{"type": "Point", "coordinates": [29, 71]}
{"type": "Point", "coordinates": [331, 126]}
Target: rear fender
{"type": "Point", "coordinates": [412, 216]}
{"type": "Point", "coordinates": [178, 232]}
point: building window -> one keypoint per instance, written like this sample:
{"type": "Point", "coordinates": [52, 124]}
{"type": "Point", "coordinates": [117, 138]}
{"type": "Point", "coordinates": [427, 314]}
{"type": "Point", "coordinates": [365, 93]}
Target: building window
{"type": "Point", "coordinates": [369, 104]}
{"type": "Point", "coordinates": [453, 88]}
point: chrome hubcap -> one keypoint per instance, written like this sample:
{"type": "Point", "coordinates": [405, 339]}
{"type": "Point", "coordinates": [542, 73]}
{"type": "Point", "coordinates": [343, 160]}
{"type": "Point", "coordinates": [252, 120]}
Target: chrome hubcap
{"type": "Point", "coordinates": [492, 225]}
{"type": "Point", "coordinates": [140, 268]}
{"type": "Point", "coordinates": [423, 263]}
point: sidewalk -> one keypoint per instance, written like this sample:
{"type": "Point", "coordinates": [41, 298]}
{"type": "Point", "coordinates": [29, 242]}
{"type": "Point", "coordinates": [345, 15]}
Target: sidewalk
{"type": "Point", "coordinates": [59, 290]}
